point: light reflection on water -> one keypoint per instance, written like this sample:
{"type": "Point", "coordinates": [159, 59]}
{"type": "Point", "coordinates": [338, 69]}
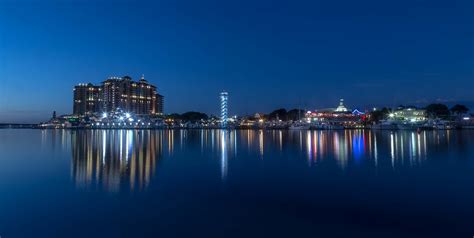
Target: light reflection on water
{"type": "Point", "coordinates": [108, 157]}
{"type": "Point", "coordinates": [111, 158]}
{"type": "Point", "coordinates": [271, 181]}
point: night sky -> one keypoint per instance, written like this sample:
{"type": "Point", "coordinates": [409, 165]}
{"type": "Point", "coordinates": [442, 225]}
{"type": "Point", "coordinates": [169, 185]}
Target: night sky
{"type": "Point", "coordinates": [266, 54]}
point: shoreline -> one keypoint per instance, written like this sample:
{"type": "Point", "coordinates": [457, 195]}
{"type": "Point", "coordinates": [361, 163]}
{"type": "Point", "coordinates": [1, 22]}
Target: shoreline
{"type": "Point", "coordinates": [238, 128]}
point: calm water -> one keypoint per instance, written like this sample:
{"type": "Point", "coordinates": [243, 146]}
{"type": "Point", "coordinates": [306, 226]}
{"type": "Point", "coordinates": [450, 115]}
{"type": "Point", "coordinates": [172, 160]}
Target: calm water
{"type": "Point", "coordinates": [205, 183]}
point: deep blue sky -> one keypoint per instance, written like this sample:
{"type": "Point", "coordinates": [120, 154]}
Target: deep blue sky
{"type": "Point", "coordinates": [267, 54]}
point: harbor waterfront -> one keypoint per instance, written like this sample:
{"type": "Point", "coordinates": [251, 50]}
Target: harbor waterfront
{"type": "Point", "coordinates": [245, 119]}
{"type": "Point", "coordinates": [94, 107]}
{"type": "Point", "coordinates": [235, 183]}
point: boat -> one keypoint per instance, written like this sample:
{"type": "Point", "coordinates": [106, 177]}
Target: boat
{"type": "Point", "coordinates": [470, 127]}
{"type": "Point", "coordinates": [334, 127]}
{"type": "Point", "coordinates": [385, 125]}
{"type": "Point", "coordinates": [299, 126]}
{"type": "Point", "coordinates": [438, 125]}
{"type": "Point", "coordinates": [409, 126]}
{"type": "Point", "coordinates": [317, 126]}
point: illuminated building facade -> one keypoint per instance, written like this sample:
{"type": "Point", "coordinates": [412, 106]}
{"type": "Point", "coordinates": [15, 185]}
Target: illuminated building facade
{"type": "Point", "coordinates": [140, 98]}
{"type": "Point", "coordinates": [336, 116]}
{"type": "Point", "coordinates": [87, 99]}
{"type": "Point", "coordinates": [410, 114]}
{"type": "Point", "coordinates": [160, 102]}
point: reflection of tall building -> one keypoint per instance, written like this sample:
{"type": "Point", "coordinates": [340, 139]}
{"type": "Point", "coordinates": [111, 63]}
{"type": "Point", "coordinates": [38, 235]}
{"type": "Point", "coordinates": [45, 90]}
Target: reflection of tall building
{"type": "Point", "coordinates": [140, 97]}
{"type": "Point", "coordinates": [115, 158]}
{"type": "Point", "coordinates": [224, 152]}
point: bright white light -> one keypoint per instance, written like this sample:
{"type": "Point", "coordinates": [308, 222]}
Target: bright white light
{"type": "Point", "coordinates": [466, 118]}
{"type": "Point", "coordinates": [104, 115]}
{"type": "Point", "coordinates": [391, 115]}
{"type": "Point", "coordinates": [130, 119]}
{"type": "Point", "coordinates": [121, 118]}
{"type": "Point", "coordinates": [127, 115]}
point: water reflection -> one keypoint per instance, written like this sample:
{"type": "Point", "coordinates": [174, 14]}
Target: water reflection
{"type": "Point", "coordinates": [224, 152]}
{"type": "Point", "coordinates": [128, 158]}
{"type": "Point", "coordinates": [400, 148]}
{"type": "Point", "coordinates": [346, 148]}
{"type": "Point", "coordinates": [113, 159]}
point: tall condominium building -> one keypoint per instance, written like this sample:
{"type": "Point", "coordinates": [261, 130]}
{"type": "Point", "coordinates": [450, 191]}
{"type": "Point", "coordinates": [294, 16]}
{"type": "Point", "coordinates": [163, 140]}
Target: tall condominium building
{"type": "Point", "coordinates": [140, 97]}
{"type": "Point", "coordinates": [160, 101]}
{"type": "Point", "coordinates": [87, 99]}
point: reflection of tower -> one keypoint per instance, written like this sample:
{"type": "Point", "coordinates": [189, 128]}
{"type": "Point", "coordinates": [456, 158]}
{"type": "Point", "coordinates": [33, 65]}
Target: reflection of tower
{"type": "Point", "coordinates": [224, 97]}
{"type": "Point", "coordinates": [224, 151]}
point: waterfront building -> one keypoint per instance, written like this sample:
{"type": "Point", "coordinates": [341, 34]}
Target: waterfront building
{"type": "Point", "coordinates": [410, 114]}
{"type": "Point", "coordinates": [87, 99]}
{"type": "Point", "coordinates": [140, 98]}
{"type": "Point", "coordinates": [340, 115]}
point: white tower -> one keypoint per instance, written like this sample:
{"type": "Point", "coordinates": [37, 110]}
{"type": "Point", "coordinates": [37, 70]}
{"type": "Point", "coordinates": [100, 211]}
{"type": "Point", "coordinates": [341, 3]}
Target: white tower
{"type": "Point", "coordinates": [224, 96]}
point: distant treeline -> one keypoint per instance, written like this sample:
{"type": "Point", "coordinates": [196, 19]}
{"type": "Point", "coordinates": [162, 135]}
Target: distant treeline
{"type": "Point", "coordinates": [188, 116]}
{"type": "Point", "coordinates": [435, 110]}
{"type": "Point", "coordinates": [279, 114]}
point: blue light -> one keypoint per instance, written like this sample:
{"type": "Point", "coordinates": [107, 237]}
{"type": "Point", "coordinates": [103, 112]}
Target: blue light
{"type": "Point", "coordinates": [357, 112]}
{"type": "Point", "coordinates": [224, 97]}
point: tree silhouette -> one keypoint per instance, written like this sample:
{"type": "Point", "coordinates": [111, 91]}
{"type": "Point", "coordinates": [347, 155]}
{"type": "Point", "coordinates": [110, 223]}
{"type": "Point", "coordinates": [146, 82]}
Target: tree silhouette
{"type": "Point", "coordinates": [437, 110]}
{"type": "Point", "coordinates": [278, 114]}
{"type": "Point", "coordinates": [459, 109]}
